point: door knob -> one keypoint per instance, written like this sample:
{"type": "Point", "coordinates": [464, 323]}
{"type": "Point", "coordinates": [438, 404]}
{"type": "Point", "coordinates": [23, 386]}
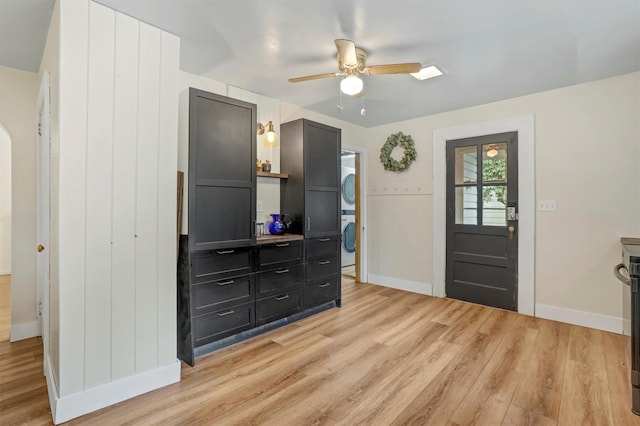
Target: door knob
{"type": "Point", "coordinates": [40, 248]}
{"type": "Point", "coordinates": [511, 230]}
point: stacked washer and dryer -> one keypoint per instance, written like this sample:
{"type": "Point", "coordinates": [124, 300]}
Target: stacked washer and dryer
{"type": "Point", "coordinates": [348, 215]}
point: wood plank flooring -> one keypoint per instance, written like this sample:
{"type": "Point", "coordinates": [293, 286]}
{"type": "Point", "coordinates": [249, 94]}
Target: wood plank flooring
{"type": "Point", "coordinates": [386, 357]}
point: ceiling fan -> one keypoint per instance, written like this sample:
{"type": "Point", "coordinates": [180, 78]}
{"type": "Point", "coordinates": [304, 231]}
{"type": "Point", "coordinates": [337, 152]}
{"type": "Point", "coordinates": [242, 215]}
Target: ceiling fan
{"type": "Point", "coordinates": [352, 61]}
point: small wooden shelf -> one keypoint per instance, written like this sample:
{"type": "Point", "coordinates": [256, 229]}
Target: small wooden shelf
{"type": "Point", "coordinates": [273, 175]}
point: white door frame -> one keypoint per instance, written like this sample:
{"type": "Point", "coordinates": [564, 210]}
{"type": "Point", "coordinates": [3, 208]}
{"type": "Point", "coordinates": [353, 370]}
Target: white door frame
{"type": "Point", "coordinates": [363, 210]}
{"type": "Point", "coordinates": [524, 125]}
{"type": "Point", "coordinates": [43, 209]}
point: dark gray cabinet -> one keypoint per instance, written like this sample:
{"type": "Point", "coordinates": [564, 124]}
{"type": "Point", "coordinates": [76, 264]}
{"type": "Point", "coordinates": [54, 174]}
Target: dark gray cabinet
{"type": "Point", "coordinates": [280, 280]}
{"type": "Point", "coordinates": [216, 265]}
{"type": "Point", "coordinates": [310, 155]}
{"type": "Point", "coordinates": [230, 286]}
{"type": "Point", "coordinates": [222, 173]}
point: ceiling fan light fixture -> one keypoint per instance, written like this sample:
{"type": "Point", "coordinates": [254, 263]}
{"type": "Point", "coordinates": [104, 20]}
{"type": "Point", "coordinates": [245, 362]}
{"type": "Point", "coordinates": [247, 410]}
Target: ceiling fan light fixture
{"type": "Point", "coordinates": [351, 85]}
{"type": "Point", "coordinates": [427, 72]}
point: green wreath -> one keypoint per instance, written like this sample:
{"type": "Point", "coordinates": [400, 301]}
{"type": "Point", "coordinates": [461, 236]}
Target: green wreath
{"type": "Point", "coordinates": [393, 141]}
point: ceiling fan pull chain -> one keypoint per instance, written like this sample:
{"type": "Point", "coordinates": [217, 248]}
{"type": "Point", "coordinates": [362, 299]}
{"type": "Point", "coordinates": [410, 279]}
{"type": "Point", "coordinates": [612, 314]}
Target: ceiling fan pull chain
{"type": "Point", "coordinates": [340, 107]}
{"type": "Point", "coordinates": [363, 111]}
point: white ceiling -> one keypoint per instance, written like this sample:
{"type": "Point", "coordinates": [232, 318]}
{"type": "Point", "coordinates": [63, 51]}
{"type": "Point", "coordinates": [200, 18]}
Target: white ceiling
{"type": "Point", "coordinates": [489, 49]}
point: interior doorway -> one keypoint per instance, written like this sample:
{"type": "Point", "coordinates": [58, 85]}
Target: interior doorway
{"type": "Point", "coordinates": [5, 234]}
{"type": "Point", "coordinates": [350, 214]}
{"type": "Point", "coordinates": [43, 210]}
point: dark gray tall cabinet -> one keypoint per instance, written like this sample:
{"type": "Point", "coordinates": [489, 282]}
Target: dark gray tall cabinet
{"type": "Point", "coordinates": [232, 285]}
{"type": "Point", "coordinates": [310, 154]}
{"type": "Point", "coordinates": [216, 270]}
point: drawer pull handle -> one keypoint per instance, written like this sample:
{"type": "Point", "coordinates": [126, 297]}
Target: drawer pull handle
{"type": "Point", "coordinates": [224, 314]}
{"type": "Point", "coordinates": [225, 282]}
{"type": "Point", "coordinates": [324, 285]}
{"type": "Point", "coordinates": [282, 245]}
{"type": "Point", "coordinates": [324, 262]}
{"type": "Point", "coordinates": [282, 271]}
{"type": "Point", "coordinates": [286, 296]}
{"type": "Point", "coordinates": [324, 240]}
{"type": "Point", "coordinates": [225, 251]}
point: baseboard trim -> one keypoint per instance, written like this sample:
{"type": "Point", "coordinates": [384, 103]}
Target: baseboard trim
{"type": "Point", "coordinates": [52, 388]}
{"type": "Point", "coordinates": [81, 403]}
{"type": "Point", "coordinates": [406, 285]}
{"type": "Point", "coordinates": [5, 271]}
{"type": "Point", "coordinates": [25, 330]}
{"type": "Point", "coordinates": [582, 318]}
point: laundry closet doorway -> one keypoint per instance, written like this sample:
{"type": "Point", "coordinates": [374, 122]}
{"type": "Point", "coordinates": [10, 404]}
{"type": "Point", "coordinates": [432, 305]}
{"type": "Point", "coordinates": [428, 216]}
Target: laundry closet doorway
{"type": "Point", "coordinates": [350, 214]}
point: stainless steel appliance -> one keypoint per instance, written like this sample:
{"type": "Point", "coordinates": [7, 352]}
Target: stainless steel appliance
{"type": "Point", "coordinates": [629, 273]}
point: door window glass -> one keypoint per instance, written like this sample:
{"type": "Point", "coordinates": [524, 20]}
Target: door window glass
{"type": "Point", "coordinates": [467, 205]}
{"type": "Point", "coordinates": [466, 161]}
{"type": "Point", "coordinates": [494, 205]}
{"type": "Point", "coordinates": [494, 162]}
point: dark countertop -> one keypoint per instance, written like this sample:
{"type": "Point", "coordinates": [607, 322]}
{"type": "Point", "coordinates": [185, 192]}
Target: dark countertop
{"type": "Point", "coordinates": [270, 239]}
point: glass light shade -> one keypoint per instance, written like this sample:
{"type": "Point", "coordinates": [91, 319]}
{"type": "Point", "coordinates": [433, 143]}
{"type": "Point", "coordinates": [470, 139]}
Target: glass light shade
{"type": "Point", "coordinates": [351, 85]}
{"type": "Point", "coordinates": [492, 153]}
{"type": "Point", "coordinates": [270, 139]}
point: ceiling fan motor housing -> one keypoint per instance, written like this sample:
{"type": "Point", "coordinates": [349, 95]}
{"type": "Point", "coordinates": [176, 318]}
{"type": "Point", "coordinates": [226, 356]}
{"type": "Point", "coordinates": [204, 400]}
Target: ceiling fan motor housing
{"type": "Point", "coordinates": [360, 66]}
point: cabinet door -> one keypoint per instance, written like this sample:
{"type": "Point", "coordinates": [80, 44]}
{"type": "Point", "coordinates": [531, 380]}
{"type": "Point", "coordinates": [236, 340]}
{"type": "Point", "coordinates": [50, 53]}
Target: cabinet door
{"type": "Point", "coordinates": [222, 174]}
{"type": "Point", "coordinates": [323, 214]}
{"type": "Point", "coordinates": [322, 156]}
{"type": "Point", "coordinates": [322, 179]}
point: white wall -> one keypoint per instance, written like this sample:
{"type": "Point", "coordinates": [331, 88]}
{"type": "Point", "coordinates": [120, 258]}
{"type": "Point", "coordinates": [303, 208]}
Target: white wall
{"type": "Point", "coordinates": [18, 94]}
{"type": "Point", "coordinates": [5, 202]}
{"type": "Point", "coordinates": [587, 148]}
{"type": "Point", "coordinates": [116, 207]}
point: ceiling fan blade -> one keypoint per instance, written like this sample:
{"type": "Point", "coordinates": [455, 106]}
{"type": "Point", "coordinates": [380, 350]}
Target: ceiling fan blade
{"type": "Point", "coordinates": [393, 68]}
{"type": "Point", "coordinates": [314, 77]}
{"type": "Point", "coordinates": [347, 51]}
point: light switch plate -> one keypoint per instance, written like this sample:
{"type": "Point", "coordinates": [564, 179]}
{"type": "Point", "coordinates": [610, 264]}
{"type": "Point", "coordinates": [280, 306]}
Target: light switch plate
{"type": "Point", "coordinates": [259, 205]}
{"type": "Point", "coordinates": [547, 205]}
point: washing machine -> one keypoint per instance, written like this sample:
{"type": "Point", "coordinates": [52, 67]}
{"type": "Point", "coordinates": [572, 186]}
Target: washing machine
{"type": "Point", "coordinates": [348, 216]}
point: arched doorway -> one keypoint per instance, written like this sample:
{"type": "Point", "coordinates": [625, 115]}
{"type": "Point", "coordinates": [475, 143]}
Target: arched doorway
{"type": "Point", "coordinates": [5, 233]}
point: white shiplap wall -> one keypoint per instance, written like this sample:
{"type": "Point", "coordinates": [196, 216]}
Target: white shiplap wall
{"type": "Point", "coordinates": [117, 200]}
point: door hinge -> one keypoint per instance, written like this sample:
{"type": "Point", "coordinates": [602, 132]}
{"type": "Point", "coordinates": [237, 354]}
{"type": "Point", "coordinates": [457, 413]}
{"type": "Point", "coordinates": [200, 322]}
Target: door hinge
{"type": "Point", "coordinates": [39, 129]}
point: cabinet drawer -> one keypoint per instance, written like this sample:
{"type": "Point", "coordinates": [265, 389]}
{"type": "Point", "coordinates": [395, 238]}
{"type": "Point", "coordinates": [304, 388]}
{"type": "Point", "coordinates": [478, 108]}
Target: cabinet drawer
{"type": "Point", "coordinates": [271, 255]}
{"type": "Point", "coordinates": [321, 291]}
{"type": "Point", "coordinates": [278, 279]}
{"type": "Point", "coordinates": [222, 323]}
{"type": "Point", "coordinates": [205, 296]}
{"type": "Point", "coordinates": [230, 261]}
{"type": "Point", "coordinates": [323, 268]}
{"type": "Point", "coordinates": [320, 248]}
{"type": "Point", "coordinates": [278, 306]}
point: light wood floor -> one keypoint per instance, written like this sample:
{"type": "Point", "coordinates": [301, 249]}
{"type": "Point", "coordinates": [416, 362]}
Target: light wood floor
{"type": "Point", "coordinates": [385, 357]}
{"type": "Point", "coordinates": [5, 306]}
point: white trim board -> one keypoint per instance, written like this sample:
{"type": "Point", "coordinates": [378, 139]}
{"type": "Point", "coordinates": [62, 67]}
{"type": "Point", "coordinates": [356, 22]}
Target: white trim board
{"type": "Point", "coordinates": [581, 318]}
{"type": "Point", "coordinates": [69, 407]}
{"type": "Point", "coordinates": [406, 285]}
{"type": "Point", "coordinates": [524, 125]}
{"type": "Point", "coordinates": [5, 272]}
{"type": "Point", "coordinates": [25, 330]}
